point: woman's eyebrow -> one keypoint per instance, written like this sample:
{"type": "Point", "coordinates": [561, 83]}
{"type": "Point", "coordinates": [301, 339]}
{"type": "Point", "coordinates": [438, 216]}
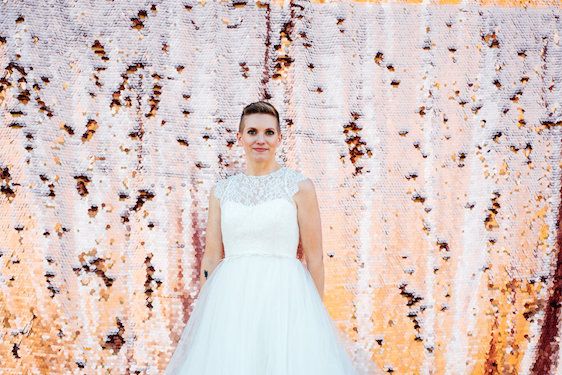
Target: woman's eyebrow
{"type": "Point", "coordinates": [251, 127]}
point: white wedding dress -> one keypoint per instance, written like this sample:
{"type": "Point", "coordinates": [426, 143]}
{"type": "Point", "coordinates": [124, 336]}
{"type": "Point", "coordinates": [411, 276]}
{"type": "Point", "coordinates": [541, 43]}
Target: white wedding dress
{"type": "Point", "coordinates": [259, 312]}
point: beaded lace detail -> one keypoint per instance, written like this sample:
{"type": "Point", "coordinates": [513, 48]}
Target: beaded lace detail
{"type": "Point", "coordinates": [252, 190]}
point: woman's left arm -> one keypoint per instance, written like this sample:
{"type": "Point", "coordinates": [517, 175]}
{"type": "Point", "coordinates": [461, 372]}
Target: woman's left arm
{"type": "Point", "coordinates": [310, 229]}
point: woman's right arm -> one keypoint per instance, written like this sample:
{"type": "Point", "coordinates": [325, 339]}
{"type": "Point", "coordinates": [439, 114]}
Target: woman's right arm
{"type": "Point", "coordinates": [213, 239]}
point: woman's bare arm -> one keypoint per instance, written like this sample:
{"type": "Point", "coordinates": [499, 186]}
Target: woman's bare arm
{"type": "Point", "coordinates": [213, 239]}
{"type": "Point", "coordinates": [311, 232]}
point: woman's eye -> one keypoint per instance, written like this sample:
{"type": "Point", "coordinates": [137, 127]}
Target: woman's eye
{"type": "Point", "coordinates": [268, 132]}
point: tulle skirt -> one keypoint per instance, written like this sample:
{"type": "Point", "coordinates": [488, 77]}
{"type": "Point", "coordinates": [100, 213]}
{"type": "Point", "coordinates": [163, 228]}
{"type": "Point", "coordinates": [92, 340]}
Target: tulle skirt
{"type": "Point", "coordinates": [260, 315]}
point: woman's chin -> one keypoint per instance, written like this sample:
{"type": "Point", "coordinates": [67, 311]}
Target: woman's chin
{"type": "Point", "coordinates": [260, 156]}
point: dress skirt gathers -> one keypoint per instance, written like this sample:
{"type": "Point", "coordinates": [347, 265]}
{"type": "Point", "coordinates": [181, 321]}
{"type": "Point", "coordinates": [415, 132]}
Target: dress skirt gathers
{"type": "Point", "coordinates": [260, 315]}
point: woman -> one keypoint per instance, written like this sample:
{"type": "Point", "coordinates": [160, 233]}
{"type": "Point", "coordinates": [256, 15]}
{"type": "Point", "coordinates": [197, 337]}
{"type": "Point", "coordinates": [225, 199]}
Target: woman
{"type": "Point", "coordinates": [259, 310]}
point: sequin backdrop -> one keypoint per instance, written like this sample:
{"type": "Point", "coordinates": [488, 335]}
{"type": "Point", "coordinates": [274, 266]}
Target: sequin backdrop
{"type": "Point", "coordinates": [432, 132]}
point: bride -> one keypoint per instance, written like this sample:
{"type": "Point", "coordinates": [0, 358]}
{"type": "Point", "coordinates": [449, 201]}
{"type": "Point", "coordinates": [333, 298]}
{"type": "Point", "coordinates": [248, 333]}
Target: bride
{"type": "Point", "coordinates": [260, 310]}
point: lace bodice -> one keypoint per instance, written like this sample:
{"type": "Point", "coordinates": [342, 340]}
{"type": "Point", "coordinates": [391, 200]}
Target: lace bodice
{"type": "Point", "coordinates": [253, 190]}
{"type": "Point", "coordinates": [258, 213]}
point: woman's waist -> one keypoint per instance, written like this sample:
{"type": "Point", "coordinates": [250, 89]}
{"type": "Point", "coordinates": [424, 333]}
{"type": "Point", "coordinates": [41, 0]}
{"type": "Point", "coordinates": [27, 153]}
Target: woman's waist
{"type": "Point", "coordinates": [264, 253]}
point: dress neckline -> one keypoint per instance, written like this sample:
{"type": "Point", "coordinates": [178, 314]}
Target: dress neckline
{"type": "Point", "coordinates": [264, 175]}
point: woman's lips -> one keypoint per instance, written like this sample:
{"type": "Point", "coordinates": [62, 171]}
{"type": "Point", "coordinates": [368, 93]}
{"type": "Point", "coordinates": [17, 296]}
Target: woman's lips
{"type": "Point", "coordinates": [260, 149]}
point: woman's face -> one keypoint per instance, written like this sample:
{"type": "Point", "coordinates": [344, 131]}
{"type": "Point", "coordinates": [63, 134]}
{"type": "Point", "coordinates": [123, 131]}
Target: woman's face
{"type": "Point", "coordinates": [260, 137]}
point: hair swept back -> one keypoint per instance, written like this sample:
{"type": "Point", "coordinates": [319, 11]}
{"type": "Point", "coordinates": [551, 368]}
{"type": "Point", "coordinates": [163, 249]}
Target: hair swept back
{"type": "Point", "coordinates": [259, 107]}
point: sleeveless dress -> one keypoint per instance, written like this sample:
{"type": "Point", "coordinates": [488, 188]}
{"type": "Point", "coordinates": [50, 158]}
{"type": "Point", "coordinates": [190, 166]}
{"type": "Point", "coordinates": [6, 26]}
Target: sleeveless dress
{"type": "Point", "coordinates": [259, 311]}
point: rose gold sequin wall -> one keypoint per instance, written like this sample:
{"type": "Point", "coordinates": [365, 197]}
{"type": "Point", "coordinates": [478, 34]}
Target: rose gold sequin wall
{"type": "Point", "coordinates": [432, 132]}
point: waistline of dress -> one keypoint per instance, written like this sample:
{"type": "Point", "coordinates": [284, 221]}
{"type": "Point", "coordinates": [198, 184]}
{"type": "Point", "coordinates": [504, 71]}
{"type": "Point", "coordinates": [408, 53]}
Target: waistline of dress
{"type": "Point", "coordinates": [239, 255]}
